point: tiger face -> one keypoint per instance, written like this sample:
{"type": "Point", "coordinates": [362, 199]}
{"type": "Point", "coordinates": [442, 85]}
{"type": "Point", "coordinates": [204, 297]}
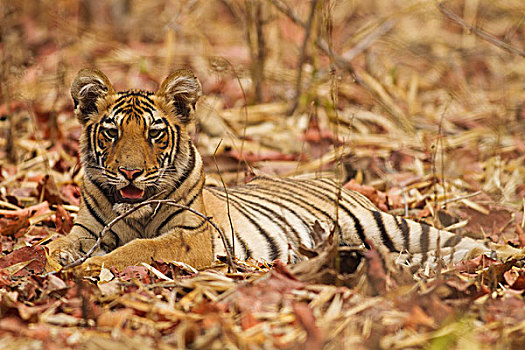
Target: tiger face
{"type": "Point", "coordinates": [134, 144]}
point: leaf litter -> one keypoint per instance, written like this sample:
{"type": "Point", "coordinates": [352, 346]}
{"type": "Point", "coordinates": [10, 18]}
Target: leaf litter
{"type": "Point", "coordinates": [429, 124]}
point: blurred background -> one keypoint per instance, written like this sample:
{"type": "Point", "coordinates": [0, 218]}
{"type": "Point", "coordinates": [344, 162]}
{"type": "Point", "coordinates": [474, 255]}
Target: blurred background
{"type": "Point", "coordinates": [422, 100]}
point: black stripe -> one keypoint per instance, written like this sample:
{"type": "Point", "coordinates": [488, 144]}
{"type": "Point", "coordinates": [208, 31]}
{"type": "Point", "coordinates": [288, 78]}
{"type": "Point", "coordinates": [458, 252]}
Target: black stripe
{"type": "Point", "coordinates": [191, 228]}
{"type": "Point", "coordinates": [177, 144]}
{"type": "Point", "coordinates": [358, 228]}
{"type": "Point", "coordinates": [289, 197]}
{"type": "Point", "coordinates": [424, 241]}
{"type": "Point", "coordinates": [453, 241]}
{"type": "Point", "coordinates": [293, 198]}
{"type": "Point", "coordinates": [405, 231]}
{"type": "Point", "coordinates": [98, 218]}
{"type": "Point", "coordinates": [91, 233]}
{"type": "Point", "coordinates": [245, 247]}
{"type": "Point", "coordinates": [275, 252]}
{"type": "Point", "coordinates": [357, 224]}
{"type": "Point", "coordinates": [149, 104]}
{"type": "Point", "coordinates": [117, 105]}
{"type": "Point", "coordinates": [306, 225]}
{"type": "Point", "coordinates": [228, 244]}
{"type": "Point", "coordinates": [238, 201]}
{"type": "Point", "coordinates": [189, 168]}
{"type": "Point", "coordinates": [385, 238]}
{"type": "Point", "coordinates": [176, 212]}
{"type": "Point", "coordinates": [355, 196]}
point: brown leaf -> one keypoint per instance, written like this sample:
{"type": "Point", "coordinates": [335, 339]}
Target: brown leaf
{"type": "Point", "coordinates": [135, 272]}
{"type": "Point", "coordinates": [418, 317]}
{"type": "Point", "coordinates": [375, 270]}
{"type": "Point", "coordinates": [114, 319]}
{"type": "Point", "coordinates": [70, 193]}
{"type": "Point", "coordinates": [50, 189]}
{"type": "Point", "coordinates": [63, 221]}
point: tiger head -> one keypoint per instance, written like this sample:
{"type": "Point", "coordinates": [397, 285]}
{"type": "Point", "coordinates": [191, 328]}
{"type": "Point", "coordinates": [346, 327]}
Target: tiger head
{"type": "Point", "coordinates": [134, 143]}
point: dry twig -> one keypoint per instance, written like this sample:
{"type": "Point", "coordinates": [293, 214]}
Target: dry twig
{"type": "Point", "coordinates": [479, 32]}
{"type": "Point", "coordinates": [303, 55]}
{"type": "Point", "coordinates": [381, 96]}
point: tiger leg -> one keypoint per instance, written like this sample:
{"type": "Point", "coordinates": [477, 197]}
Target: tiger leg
{"type": "Point", "coordinates": [72, 247]}
{"type": "Point", "coordinates": [192, 248]}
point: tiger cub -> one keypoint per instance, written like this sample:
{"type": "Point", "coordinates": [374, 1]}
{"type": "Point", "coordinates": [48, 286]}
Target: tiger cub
{"type": "Point", "coordinates": [135, 146]}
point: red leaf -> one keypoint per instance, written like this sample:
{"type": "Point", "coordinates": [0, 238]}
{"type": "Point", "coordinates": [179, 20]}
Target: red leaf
{"type": "Point", "coordinates": [14, 225]}
{"type": "Point", "coordinates": [14, 222]}
{"type": "Point", "coordinates": [135, 272]}
{"type": "Point", "coordinates": [377, 197]}
{"type": "Point", "coordinates": [305, 317]}
{"type": "Point", "coordinates": [36, 255]}
{"type": "Point", "coordinates": [71, 194]}
{"type": "Point", "coordinates": [515, 278]}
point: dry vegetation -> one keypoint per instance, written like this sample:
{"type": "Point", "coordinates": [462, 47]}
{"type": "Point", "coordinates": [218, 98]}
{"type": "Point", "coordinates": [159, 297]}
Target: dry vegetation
{"type": "Point", "coordinates": [421, 108]}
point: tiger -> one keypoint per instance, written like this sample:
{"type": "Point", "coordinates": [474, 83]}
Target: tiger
{"type": "Point", "coordinates": [135, 145]}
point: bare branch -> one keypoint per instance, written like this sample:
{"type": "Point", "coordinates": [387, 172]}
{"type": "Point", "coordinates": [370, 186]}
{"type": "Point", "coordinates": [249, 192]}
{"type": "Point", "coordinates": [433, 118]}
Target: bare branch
{"type": "Point", "coordinates": [387, 103]}
{"type": "Point", "coordinates": [479, 32]}
{"type": "Point", "coordinates": [302, 57]}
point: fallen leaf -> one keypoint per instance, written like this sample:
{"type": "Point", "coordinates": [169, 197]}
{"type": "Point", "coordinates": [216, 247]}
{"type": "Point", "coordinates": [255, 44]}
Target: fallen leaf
{"type": "Point", "coordinates": [63, 221]}
{"type": "Point", "coordinates": [306, 318]}
{"type": "Point", "coordinates": [515, 278]}
{"type": "Point", "coordinates": [34, 256]}
{"type": "Point", "coordinates": [114, 319]}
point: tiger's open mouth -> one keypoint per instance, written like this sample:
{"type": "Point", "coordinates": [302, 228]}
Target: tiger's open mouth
{"type": "Point", "coordinates": [130, 194]}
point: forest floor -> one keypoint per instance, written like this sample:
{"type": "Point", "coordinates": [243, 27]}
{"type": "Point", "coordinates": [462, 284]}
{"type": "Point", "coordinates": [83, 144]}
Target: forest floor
{"type": "Point", "coordinates": [419, 106]}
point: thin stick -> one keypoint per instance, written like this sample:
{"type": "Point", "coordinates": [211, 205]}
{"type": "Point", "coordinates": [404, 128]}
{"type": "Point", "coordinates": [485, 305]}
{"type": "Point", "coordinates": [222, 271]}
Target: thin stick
{"type": "Point", "coordinates": [479, 32]}
{"type": "Point", "coordinates": [227, 197]}
{"type": "Point", "coordinates": [302, 57]}
{"type": "Point", "coordinates": [368, 40]}
{"type": "Point", "coordinates": [342, 63]}
{"type": "Point", "coordinates": [171, 202]}
{"type": "Point", "coordinates": [455, 199]}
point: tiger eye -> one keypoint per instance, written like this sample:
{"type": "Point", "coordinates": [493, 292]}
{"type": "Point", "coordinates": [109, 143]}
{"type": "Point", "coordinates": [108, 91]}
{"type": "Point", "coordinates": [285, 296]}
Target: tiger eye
{"type": "Point", "coordinates": [111, 133]}
{"type": "Point", "coordinates": [154, 133]}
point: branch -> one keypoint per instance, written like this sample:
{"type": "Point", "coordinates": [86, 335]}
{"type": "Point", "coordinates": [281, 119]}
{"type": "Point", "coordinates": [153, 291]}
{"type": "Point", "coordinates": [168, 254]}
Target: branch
{"type": "Point", "coordinates": [302, 58]}
{"type": "Point", "coordinates": [479, 32]}
{"type": "Point", "coordinates": [171, 202]}
{"type": "Point", "coordinates": [385, 100]}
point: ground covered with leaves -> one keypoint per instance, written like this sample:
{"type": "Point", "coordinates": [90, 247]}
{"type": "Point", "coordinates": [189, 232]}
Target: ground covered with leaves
{"type": "Point", "coordinates": [419, 105]}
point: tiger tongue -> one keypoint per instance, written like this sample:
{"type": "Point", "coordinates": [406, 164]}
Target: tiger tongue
{"type": "Point", "coordinates": [131, 192]}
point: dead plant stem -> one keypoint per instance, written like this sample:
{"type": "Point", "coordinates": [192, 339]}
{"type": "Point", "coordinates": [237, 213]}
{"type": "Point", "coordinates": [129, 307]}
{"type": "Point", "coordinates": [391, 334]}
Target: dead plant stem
{"type": "Point", "coordinates": [479, 32]}
{"type": "Point", "coordinates": [227, 198]}
{"type": "Point", "coordinates": [303, 56]}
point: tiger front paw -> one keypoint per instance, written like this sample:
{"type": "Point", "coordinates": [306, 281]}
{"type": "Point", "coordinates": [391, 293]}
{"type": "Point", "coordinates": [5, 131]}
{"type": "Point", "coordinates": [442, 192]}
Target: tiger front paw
{"type": "Point", "coordinates": [63, 250]}
{"type": "Point", "coordinates": [91, 267]}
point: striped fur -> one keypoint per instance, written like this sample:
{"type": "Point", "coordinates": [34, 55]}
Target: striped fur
{"type": "Point", "coordinates": [135, 146]}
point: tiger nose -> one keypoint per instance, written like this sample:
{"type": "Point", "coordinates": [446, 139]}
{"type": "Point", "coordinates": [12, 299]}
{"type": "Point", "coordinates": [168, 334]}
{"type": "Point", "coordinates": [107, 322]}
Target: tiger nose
{"type": "Point", "coordinates": [130, 174]}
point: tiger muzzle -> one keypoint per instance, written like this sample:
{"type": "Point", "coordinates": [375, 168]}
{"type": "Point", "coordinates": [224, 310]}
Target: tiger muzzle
{"type": "Point", "coordinates": [130, 193]}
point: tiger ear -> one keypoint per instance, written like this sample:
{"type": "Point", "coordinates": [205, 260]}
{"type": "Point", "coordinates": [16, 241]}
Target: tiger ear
{"type": "Point", "coordinates": [181, 90]}
{"type": "Point", "coordinates": [89, 87]}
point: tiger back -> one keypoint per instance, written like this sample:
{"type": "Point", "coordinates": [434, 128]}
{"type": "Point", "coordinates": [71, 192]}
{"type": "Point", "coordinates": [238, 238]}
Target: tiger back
{"type": "Point", "coordinates": [135, 146]}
